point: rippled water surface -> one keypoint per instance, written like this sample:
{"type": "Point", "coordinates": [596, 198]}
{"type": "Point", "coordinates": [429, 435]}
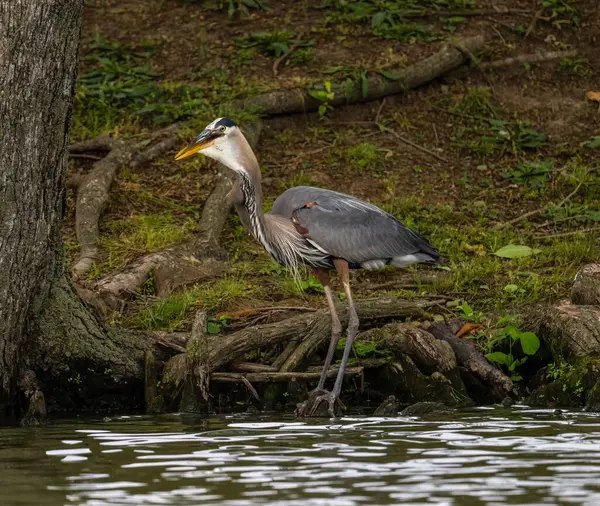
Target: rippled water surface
{"type": "Point", "coordinates": [479, 457]}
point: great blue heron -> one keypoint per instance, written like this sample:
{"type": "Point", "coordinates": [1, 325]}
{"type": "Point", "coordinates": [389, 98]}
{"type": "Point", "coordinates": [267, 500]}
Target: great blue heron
{"type": "Point", "coordinates": [320, 228]}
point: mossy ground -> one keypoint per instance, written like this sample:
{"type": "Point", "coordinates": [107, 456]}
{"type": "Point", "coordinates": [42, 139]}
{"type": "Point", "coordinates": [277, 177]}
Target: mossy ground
{"type": "Point", "coordinates": [515, 140]}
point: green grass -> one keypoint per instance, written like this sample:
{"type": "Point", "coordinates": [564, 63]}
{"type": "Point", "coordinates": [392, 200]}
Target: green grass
{"type": "Point", "coordinates": [175, 311]}
{"type": "Point", "coordinates": [124, 240]}
{"type": "Point", "coordinates": [363, 156]}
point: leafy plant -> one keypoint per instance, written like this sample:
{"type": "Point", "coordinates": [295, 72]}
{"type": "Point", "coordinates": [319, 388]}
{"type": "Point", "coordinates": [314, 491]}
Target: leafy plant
{"type": "Point", "coordinates": [530, 174]}
{"type": "Point", "coordinates": [273, 43]}
{"type": "Point", "coordinates": [518, 135]}
{"type": "Point", "coordinates": [511, 335]}
{"type": "Point", "coordinates": [121, 84]}
{"type": "Point", "coordinates": [324, 96]}
{"type": "Point", "coordinates": [216, 325]}
{"type": "Point", "coordinates": [579, 67]}
{"type": "Point", "coordinates": [243, 7]}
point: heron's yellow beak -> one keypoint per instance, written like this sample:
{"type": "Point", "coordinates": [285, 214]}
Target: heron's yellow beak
{"type": "Point", "coordinates": [204, 140]}
{"type": "Point", "coordinates": [192, 149]}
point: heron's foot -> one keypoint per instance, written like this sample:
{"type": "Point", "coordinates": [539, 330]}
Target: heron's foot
{"type": "Point", "coordinates": [320, 403]}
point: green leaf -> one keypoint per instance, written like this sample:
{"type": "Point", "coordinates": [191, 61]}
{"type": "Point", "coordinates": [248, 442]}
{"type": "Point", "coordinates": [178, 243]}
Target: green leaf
{"type": "Point", "coordinates": [516, 251]}
{"type": "Point", "coordinates": [529, 342]}
{"type": "Point", "coordinates": [322, 110]}
{"type": "Point", "coordinates": [466, 309]}
{"type": "Point", "coordinates": [510, 288]}
{"type": "Point", "coordinates": [497, 357]}
{"type": "Point", "coordinates": [213, 328]}
{"type": "Point", "coordinates": [593, 144]}
{"type": "Point", "coordinates": [328, 86]}
{"type": "Point", "coordinates": [364, 84]}
{"type": "Point", "coordinates": [378, 19]}
{"type": "Point", "coordinates": [318, 94]}
{"type": "Point", "coordinates": [390, 75]}
{"type": "Point", "coordinates": [516, 377]}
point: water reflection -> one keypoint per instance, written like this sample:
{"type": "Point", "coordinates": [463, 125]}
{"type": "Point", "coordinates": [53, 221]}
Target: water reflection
{"type": "Point", "coordinates": [482, 457]}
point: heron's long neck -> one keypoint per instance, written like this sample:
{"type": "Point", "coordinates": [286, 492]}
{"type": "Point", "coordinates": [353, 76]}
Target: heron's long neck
{"type": "Point", "coordinates": [252, 192]}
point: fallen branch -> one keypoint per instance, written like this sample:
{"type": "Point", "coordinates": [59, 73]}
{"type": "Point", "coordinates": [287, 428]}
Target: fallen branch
{"type": "Point", "coordinates": [93, 190]}
{"type": "Point", "coordinates": [313, 329]}
{"type": "Point", "coordinates": [567, 234]}
{"type": "Point", "coordinates": [319, 333]}
{"type": "Point", "coordinates": [528, 58]}
{"type": "Point", "coordinates": [299, 100]}
{"type": "Point", "coordinates": [258, 377]}
{"type": "Point", "coordinates": [473, 361]}
{"type": "Point", "coordinates": [414, 145]}
{"type": "Point", "coordinates": [463, 14]}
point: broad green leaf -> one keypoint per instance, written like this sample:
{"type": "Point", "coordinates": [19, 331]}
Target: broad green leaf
{"type": "Point", "coordinates": [510, 288]}
{"type": "Point", "coordinates": [529, 342]}
{"type": "Point", "coordinates": [498, 357]}
{"type": "Point", "coordinates": [593, 144]}
{"type": "Point", "coordinates": [318, 94]}
{"type": "Point", "coordinates": [213, 328]}
{"type": "Point", "coordinates": [378, 19]}
{"type": "Point", "coordinates": [516, 377]}
{"type": "Point", "coordinates": [516, 251]}
{"type": "Point", "coordinates": [466, 309]}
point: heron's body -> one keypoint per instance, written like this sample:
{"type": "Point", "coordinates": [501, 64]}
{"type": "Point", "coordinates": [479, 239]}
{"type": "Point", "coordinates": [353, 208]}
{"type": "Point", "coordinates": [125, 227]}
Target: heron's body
{"type": "Point", "coordinates": [321, 228]}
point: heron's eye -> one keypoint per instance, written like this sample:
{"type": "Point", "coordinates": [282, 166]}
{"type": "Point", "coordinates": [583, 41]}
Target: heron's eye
{"type": "Point", "coordinates": [222, 129]}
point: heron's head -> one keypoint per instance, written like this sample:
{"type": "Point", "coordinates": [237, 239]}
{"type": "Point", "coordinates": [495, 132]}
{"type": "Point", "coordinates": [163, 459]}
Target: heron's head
{"type": "Point", "coordinates": [221, 140]}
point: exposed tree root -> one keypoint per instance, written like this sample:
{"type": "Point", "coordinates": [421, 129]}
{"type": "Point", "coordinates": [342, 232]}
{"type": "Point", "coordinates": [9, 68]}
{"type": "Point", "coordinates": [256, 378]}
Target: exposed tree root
{"type": "Point", "coordinates": [586, 287]}
{"type": "Point", "coordinates": [93, 189]}
{"type": "Point", "coordinates": [299, 100]}
{"type": "Point", "coordinates": [187, 263]}
{"type": "Point", "coordinates": [473, 361]}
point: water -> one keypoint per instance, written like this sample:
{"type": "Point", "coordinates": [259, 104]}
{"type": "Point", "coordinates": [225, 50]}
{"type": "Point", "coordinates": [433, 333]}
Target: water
{"type": "Point", "coordinates": [479, 457]}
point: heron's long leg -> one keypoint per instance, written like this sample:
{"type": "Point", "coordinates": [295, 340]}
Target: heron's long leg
{"type": "Point", "coordinates": [342, 269]}
{"type": "Point", "coordinates": [336, 327]}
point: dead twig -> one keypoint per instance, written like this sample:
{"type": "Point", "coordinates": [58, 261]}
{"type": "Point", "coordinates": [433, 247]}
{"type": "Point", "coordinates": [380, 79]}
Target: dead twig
{"type": "Point", "coordinates": [533, 22]}
{"type": "Point", "coordinates": [258, 377]}
{"type": "Point", "coordinates": [528, 58]}
{"type": "Point", "coordinates": [85, 156]}
{"type": "Point", "coordinates": [379, 110]}
{"type": "Point", "coordinates": [411, 143]}
{"type": "Point", "coordinates": [287, 54]}
{"type": "Point", "coordinates": [535, 212]}
{"type": "Point", "coordinates": [249, 386]}
{"type": "Point", "coordinates": [464, 14]}
{"type": "Point", "coordinates": [567, 234]}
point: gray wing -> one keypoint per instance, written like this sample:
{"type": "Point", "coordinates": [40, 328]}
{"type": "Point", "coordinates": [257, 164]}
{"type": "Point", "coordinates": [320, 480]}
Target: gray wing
{"type": "Point", "coordinates": [349, 228]}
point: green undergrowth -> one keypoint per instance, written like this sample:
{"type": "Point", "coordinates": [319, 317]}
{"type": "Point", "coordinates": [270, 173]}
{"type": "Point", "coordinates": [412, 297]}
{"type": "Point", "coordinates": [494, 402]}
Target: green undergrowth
{"type": "Point", "coordinates": [175, 311]}
{"type": "Point", "coordinates": [119, 92]}
{"type": "Point", "coordinates": [387, 18]}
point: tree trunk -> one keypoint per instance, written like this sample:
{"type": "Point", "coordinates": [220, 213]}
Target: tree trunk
{"type": "Point", "coordinates": [38, 59]}
{"type": "Point", "coordinates": [44, 326]}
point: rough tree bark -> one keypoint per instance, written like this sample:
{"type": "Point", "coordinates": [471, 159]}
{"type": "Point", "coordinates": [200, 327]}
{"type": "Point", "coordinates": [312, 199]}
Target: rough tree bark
{"type": "Point", "coordinates": [48, 336]}
{"type": "Point", "coordinates": [38, 57]}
